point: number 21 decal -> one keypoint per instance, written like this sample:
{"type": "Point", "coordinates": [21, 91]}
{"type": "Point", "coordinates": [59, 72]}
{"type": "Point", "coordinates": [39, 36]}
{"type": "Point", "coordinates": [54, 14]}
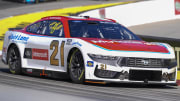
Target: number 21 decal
{"type": "Point", "coordinates": [53, 60]}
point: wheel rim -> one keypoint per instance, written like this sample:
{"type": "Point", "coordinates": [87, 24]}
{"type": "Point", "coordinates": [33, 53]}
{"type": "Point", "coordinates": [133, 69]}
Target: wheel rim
{"type": "Point", "coordinates": [77, 66]}
{"type": "Point", "coordinates": [13, 59]}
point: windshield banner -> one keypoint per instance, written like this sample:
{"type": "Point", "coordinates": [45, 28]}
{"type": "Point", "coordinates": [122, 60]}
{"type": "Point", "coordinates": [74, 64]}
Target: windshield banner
{"type": "Point", "coordinates": [177, 7]}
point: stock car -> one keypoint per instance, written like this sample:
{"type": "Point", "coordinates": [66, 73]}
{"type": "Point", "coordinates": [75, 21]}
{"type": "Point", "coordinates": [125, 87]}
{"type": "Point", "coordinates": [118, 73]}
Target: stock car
{"type": "Point", "coordinates": [87, 49]}
{"type": "Point", "coordinates": [30, 1]}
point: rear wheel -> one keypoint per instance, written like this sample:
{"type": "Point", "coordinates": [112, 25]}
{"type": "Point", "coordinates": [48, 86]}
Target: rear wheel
{"type": "Point", "coordinates": [76, 67]}
{"type": "Point", "coordinates": [14, 60]}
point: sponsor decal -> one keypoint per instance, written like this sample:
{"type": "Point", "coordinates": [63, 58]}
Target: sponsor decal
{"type": "Point", "coordinates": [90, 63]}
{"type": "Point", "coordinates": [55, 26]}
{"type": "Point", "coordinates": [114, 41]}
{"type": "Point", "coordinates": [128, 42]}
{"type": "Point", "coordinates": [77, 43]}
{"type": "Point", "coordinates": [68, 41]}
{"type": "Point", "coordinates": [28, 53]}
{"type": "Point", "coordinates": [37, 54]}
{"type": "Point", "coordinates": [18, 38]}
{"type": "Point", "coordinates": [148, 43]}
{"type": "Point", "coordinates": [177, 7]}
{"type": "Point", "coordinates": [40, 54]}
{"type": "Point", "coordinates": [55, 18]}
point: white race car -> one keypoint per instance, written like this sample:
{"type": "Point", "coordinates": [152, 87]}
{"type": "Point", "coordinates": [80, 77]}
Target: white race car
{"type": "Point", "coordinates": [87, 50]}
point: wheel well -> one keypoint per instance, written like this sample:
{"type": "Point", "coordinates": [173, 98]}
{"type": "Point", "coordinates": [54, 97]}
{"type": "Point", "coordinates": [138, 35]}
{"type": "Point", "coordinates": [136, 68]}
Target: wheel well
{"type": "Point", "coordinates": [69, 56]}
{"type": "Point", "coordinates": [11, 45]}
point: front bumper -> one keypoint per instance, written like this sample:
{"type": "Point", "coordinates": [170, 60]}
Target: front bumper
{"type": "Point", "coordinates": [131, 82]}
{"type": "Point", "coordinates": [134, 75]}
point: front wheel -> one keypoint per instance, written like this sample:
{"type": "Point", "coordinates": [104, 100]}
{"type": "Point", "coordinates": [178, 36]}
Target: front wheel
{"type": "Point", "coordinates": [76, 67]}
{"type": "Point", "coordinates": [14, 60]}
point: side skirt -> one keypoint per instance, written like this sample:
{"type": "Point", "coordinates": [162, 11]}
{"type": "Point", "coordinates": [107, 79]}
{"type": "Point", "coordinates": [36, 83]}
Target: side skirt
{"type": "Point", "coordinates": [45, 73]}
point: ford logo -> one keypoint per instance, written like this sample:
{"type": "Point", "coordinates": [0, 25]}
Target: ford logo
{"type": "Point", "coordinates": [145, 62]}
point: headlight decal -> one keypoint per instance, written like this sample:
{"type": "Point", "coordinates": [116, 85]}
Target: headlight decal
{"type": "Point", "coordinates": [170, 63]}
{"type": "Point", "coordinates": [93, 56]}
{"type": "Point", "coordinates": [109, 60]}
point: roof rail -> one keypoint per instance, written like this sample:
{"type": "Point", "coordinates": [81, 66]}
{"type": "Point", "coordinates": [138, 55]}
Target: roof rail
{"type": "Point", "coordinates": [51, 16]}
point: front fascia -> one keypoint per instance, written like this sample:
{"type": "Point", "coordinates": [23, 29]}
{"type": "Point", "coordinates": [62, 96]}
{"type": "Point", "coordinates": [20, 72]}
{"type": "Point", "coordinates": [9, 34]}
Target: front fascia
{"type": "Point", "coordinates": [88, 48]}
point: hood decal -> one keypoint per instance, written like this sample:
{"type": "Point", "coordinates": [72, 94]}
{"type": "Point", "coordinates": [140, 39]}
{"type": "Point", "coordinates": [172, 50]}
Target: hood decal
{"type": "Point", "coordinates": [127, 45]}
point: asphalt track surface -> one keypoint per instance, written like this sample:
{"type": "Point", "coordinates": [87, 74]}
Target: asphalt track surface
{"type": "Point", "coordinates": [166, 29]}
{"type": "Point", "coordinates": [5, 4]}
{"type": "Point", "coordinates": [28, 88]}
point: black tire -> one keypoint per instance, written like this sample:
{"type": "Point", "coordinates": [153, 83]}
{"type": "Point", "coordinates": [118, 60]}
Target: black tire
{"type": "Point", "coordinates": [76, 67]}
{"type": "Point", "coordinates": [14, 60]}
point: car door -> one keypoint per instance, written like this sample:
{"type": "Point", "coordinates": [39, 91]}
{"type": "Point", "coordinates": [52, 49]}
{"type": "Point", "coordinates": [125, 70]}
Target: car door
{"type": "Point", "coordinates": [45, 49]}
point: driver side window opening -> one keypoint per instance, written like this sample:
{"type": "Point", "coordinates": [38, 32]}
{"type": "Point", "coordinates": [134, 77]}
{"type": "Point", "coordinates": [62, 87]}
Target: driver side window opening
{"type": "Point", "coordinates": [47, 27]}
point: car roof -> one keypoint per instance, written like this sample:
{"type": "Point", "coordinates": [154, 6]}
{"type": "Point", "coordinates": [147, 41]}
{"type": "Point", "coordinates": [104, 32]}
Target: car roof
{"type": "Point", "coordinates": [76, 18]}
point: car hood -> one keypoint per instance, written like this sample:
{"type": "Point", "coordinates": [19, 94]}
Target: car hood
{"type": "Point", "coordinates": [127, 45]}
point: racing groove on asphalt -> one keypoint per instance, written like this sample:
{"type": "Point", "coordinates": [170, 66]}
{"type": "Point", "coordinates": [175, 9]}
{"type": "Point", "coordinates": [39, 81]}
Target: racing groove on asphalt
{"type": "Point", "coordinates": [109, 92]}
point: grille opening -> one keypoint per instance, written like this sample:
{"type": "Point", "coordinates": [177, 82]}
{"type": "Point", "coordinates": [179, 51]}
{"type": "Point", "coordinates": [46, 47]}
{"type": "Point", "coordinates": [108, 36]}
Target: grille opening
{"type": "Point", "coordinates": [143, 62]}
{"type": "Point", "coordinates": [142, 75]}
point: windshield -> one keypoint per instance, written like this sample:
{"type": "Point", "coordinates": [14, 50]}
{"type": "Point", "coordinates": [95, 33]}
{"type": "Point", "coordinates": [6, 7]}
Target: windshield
{"type": "Point", "coordinates": [100, 29]}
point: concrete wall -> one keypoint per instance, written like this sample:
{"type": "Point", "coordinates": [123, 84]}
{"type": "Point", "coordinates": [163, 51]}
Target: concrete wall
{"type": "Point", "coordinates": [139, 12]}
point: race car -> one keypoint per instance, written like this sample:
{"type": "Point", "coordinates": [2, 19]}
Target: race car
{"type": "Point", "coordinates": [87, 49]}
{"type": "Point", "coordinates": [30, 1]}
